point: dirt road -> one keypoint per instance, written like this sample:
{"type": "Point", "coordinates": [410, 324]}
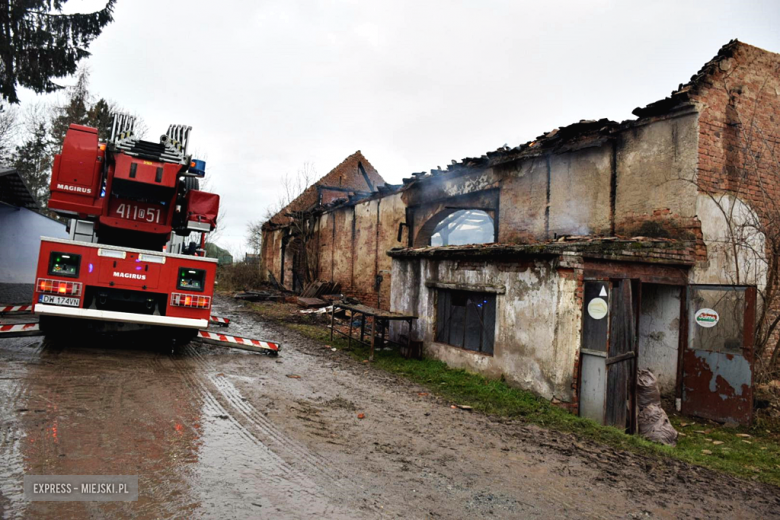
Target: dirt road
{"type": "Point", "coordinates": [228, 434]}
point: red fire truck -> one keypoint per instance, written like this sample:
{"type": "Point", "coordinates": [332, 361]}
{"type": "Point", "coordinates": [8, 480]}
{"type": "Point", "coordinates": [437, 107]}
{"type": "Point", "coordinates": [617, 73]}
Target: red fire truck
{"type": "Point", "coordinates": [133, 206]}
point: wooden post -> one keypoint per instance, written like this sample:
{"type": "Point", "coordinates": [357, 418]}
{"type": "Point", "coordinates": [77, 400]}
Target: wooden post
{"type": "Point", "coordinates": [349, 341]}
{"type": "Point", "coordinates": [382, 328]}
{"type": "Point", "coordinates": [373, 336]}
{"type": "Point", "coordinates": [362, 327]}
{"type": "Point", "coordinates": [332, 318]}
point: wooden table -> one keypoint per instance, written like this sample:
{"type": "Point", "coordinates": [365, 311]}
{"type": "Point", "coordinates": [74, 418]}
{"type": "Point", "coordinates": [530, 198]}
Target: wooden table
{"type": "Point", "coordinates": [381, 319]}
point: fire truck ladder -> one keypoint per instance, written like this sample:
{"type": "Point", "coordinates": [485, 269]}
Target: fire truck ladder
{"type": "Point", "coordinates": [172, 147]}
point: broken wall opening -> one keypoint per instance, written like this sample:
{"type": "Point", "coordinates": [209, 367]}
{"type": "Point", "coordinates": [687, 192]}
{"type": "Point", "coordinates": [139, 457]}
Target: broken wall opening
{"type": "Point", "coordinates": [457, 227]}
{"type": "Point", "coordinates": [658, 341]}
{"type": "Point", "coordinates": [461, 227]}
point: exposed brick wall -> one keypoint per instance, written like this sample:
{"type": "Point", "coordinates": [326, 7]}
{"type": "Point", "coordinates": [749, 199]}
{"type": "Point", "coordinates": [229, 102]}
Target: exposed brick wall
{"type": "Point", "coordinates": [740, 111]}
{"type": "Point", "coordinates": [346, 175]}
{"type": "Point", "coordinates": [662, 223]}
{"type": "Point", "coordinates": [353, 256]}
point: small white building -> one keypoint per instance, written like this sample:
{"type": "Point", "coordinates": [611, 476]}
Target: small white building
{"type": "Point", "coordinates": [21, 229]}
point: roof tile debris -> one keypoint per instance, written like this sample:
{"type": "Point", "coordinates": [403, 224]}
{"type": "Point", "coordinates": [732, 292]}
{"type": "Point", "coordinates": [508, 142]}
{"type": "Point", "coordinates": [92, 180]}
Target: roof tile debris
{"type": "Point", "coordinates": [682, 96]}
{"type": "Point", "coordinates": [585, 132]}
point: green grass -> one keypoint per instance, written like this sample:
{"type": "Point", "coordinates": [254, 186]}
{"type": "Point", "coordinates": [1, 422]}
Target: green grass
{"type": "Point", "coordinates": [757, 459]}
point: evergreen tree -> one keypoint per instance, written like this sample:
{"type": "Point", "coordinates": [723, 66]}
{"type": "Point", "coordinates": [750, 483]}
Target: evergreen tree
{"type": "Point", "coordinates": [101, 116]}
{"type": "Point", "coordinates": [33, 161]}
{"type": "Point", "coordinates": [79, 109]}
{"type": "Point", "coordinates": [38, 43]}
{"type": "Point", "coordinates": [75, 110]}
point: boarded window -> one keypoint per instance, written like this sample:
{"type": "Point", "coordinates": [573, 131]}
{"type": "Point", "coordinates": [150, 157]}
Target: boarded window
{"type": "Point", "coordinates": [466, 319]}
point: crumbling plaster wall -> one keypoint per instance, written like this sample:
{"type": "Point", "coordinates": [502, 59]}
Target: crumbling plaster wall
{"type": "Point", "coordinates": [537, 320]}
{"type": "Point", "coordinates": [325, 246]}
{"type": "Point", "coordinates": [656, 164]}
{"type": "Point", "coordinates": [651, 166]}
{"type": "Point", "coordinates": [363, 252]}
{"type": "Point", "coordinates": [580, 192]}
{"type": "Point", "coordinates": [726, 236]}
{"type": "Point", "coordinates": [353, 240]}
{"type": "Point", "coordinates": [523, 201]}
{"type": "Point", "coordinates": [271, 253]}
{"type": "Point", "coordinates": [739, 107]}
{"type": "Point", "coordinates": [567, 193]}
{"type": "Point", "coordinates": [392, 212]}
{"type": "Point", "coordinates": [342, 247]}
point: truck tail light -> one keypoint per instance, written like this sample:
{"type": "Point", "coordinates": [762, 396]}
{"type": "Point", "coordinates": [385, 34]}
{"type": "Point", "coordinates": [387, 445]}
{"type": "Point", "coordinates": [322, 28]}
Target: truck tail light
{"type": "Point", "coordinates": [46, 285]}
{"type": "Point", "coordinates": [190, 300]}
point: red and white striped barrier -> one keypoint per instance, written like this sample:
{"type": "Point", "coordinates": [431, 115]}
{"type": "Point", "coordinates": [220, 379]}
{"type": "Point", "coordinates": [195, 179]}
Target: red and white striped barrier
{"type": "Point", "coordinates": [218, 320]}
{"type": "Point", "coordinates": [20, 329]}
{"type": "Point", "coordinates": [225, 340]}
{"type": "Point", "coordinates": [15, 308]}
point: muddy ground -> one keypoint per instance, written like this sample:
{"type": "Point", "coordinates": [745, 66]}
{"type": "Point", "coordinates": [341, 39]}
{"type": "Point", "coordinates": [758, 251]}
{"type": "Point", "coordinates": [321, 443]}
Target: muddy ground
{"type": "Point", "coordinates": [229, 434]}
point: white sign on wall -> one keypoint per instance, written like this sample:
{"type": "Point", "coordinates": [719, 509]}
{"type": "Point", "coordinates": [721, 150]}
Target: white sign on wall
{"type": "Point", "coordinates": [598, 308]}
{"type": "Point", "coordinates": [706, 318]}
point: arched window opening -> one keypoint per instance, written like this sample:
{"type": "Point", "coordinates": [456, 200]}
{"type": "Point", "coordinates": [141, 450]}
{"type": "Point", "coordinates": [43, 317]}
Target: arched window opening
{"type": "Point", "coordinates": [465, 226]}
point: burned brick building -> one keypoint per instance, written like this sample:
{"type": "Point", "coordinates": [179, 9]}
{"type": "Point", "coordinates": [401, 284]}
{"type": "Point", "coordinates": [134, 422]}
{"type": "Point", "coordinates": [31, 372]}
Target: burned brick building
{"type": "Point", "coordinates": [295, 241]}
{"type": "Point", "coordinates": [565, 264]}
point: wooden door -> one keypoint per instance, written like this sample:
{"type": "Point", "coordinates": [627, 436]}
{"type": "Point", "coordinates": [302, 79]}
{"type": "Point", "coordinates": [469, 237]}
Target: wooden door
{"type": "Point", "coordinates": [621, 358]}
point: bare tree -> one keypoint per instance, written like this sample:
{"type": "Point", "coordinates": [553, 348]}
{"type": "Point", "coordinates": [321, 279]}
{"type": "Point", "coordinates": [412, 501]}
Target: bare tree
{"type": "Point", "coordinates": [254, 236]}
{"type": "Point", "coordinates": [294, 212]}
{"type": "Point", "coordinates": [9, 132]}
{"type": "Point", "coordinates": [293, 186]}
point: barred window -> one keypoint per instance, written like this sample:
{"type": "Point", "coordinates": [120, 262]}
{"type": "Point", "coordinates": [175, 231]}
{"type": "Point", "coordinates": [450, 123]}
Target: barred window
{"type": "Point", "coordinates": [466, 319]}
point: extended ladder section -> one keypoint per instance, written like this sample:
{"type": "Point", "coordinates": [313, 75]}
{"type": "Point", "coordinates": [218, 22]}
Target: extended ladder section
{"type": "Point", "coordinates": [172, 147]}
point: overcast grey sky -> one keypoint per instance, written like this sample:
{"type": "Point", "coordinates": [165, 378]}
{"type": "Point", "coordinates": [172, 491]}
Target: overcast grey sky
{"type": "Point", "coordinates": [270, 85]}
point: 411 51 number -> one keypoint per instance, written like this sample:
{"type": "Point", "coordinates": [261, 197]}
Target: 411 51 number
{"type": "Point", "coordinates": [133, 212]}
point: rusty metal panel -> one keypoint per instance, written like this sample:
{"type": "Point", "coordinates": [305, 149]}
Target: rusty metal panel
{"type": "Point", "coordinates": [717, 386]}
{"type": "Point", "coordinates": [717, 363]}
